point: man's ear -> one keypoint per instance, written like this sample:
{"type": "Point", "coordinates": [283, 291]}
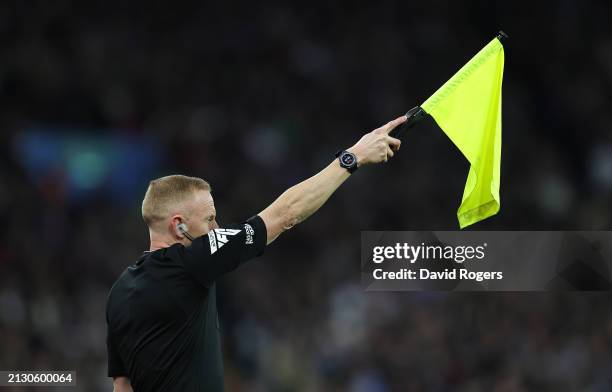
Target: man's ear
{"type": "Point", "coordinates": [177, 223]}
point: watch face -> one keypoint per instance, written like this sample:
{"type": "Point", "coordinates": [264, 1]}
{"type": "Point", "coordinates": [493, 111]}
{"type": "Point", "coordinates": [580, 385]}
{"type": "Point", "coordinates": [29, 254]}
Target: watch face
{"type": "Point", "coordinates": [348, 159]}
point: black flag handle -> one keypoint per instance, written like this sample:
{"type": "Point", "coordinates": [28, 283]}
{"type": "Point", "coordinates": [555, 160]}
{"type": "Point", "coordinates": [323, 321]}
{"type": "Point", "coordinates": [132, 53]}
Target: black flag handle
{"type": "Point", "coordinates": [414, 115]}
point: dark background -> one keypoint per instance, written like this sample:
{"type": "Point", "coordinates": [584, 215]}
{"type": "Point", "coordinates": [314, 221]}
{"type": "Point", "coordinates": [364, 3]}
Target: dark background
{"type": "Point", "coordinates": [96, 99]}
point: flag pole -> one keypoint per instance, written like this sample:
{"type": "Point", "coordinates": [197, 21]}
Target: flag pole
{"type": "Point", "coordinates": [414, 116]}
{"type": "Point", "coordinates": [501, 36]}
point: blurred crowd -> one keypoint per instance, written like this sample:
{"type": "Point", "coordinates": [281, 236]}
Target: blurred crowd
{"type": "Point", "coordinates": [254, 98]}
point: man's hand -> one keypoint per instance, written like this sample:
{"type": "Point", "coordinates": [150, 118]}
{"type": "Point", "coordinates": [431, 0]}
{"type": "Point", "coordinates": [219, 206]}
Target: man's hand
{"type": "Point", "coordinates": [377, 146]}
{"type": "Point", "coordinates": [122, 384]}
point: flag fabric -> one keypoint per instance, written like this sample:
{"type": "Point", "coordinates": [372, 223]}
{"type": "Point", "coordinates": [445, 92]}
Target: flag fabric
{"type": "Point", "coordinates": [468, 109]}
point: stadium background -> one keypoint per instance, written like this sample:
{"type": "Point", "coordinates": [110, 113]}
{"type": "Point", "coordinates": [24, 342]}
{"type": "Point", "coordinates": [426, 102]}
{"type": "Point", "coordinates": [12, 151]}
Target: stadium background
{"type": "Point", "coordinates": [98, 98]}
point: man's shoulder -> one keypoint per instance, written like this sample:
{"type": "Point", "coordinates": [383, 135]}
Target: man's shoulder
{"type": "Point", "coordinates": [151, 262]}
{"type": "Point", "coordinates": [125, 278]}
{"type": "Point", "coordinates": [117, 286]}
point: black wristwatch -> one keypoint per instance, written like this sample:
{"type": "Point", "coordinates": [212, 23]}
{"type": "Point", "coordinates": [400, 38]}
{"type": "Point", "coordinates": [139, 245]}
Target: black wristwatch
{"type": "Point", "coordinates": [348, 160]}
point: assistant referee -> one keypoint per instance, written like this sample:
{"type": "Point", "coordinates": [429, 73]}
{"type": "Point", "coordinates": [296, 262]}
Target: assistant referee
{"type": "Point", "coordinates": [161, 313]}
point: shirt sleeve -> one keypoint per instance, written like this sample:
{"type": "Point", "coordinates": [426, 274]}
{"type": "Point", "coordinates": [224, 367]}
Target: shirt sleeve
{"type": "Point", "coordinates": [116, 367]}
{"type": "Point", "coordinates": [223, 250]}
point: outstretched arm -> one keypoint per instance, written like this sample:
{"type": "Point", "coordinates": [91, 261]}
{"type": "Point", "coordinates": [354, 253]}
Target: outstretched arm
{"type": "Point", "coordinates": [302, 200]}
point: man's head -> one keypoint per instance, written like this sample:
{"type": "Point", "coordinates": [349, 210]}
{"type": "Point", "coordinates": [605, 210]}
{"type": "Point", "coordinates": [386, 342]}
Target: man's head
{"type": "Point", "coordinates": [177, 199]}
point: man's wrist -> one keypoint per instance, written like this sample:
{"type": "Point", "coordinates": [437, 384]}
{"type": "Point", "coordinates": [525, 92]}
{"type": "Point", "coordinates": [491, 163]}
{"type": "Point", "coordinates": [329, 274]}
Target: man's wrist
{"type": "Point", "coordinates": [347, 160]}
{"type": "Point", "coordinates": [357, 154]}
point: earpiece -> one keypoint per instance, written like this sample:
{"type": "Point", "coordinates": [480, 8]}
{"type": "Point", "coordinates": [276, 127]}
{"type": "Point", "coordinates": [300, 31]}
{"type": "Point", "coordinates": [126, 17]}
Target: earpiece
{"type": "Point", "coordinates": [183, 229]}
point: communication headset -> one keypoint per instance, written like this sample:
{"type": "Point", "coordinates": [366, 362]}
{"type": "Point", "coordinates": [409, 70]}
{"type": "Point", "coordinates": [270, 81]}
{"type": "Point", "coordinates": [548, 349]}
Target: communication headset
{"type": "Point", "coordinates": [183, 229]}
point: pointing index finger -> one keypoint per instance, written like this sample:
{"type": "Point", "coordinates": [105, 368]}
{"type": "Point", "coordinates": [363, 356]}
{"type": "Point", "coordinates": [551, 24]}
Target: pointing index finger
{"type": "Point", "coordinates": [391, 125]}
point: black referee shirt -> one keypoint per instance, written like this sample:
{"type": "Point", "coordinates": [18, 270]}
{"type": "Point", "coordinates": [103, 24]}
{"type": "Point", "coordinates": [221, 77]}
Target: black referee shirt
{"type": "Point", "coordinates": [163, 328]}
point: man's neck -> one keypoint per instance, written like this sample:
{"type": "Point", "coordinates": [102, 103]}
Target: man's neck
{"type": "Point", "coordinates": [158, 244]}
{"type": "Point", "coordinates": [158, 241]}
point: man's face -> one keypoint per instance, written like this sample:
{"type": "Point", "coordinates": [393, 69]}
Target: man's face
{"type": "Point", "coordinates": [202, 215]}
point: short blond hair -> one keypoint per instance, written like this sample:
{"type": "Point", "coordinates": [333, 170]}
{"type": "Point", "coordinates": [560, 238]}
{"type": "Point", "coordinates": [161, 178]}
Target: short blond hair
{"type": "Point", "coordinates": [164, 193]}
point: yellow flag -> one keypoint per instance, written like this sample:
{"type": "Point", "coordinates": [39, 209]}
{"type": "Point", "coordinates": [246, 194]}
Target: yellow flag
{"type": "Point", "coordinates": [468, 109]}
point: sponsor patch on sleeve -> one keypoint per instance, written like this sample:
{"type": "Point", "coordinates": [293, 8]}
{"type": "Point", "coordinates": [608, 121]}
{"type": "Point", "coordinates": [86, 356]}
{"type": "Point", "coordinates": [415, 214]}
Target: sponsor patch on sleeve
{"type": "Point", "coordinates": [218, 237]}
{"type": "Point", "coordinates": [248, 229]}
